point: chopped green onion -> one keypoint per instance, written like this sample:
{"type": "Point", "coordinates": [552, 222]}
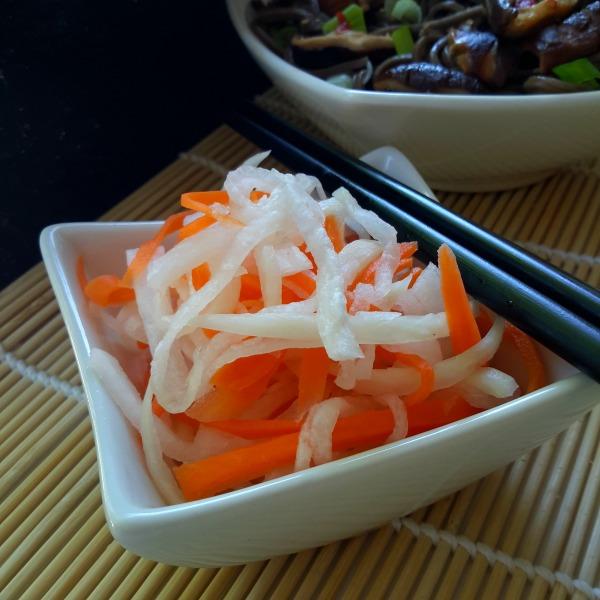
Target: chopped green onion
{"type": "Point", "coordinates": [407, 11]}
{"type": "Point", "coordinates": [579, 71]}
{"type": "Point", "coordinates": [355, 17]}
{"type": "Point", "coordinates": [403, 40]}
{"type": "Point", "coordinates": [331, 25]}
{"type": "Point", "coordinates": [282, 36]}
{"type": "Point", "coordinates": [342, 80]}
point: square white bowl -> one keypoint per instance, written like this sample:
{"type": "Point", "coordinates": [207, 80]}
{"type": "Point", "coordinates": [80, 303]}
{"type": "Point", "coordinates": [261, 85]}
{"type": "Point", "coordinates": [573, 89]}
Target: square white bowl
{"type": "Point", "coordinates": [306, 509]}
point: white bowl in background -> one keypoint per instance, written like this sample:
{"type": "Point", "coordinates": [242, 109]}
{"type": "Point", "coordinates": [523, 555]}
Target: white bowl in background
{"type": "Point", "coordinates": [457, 142]}
{"type": "Point", "coordinates": [303, 510]}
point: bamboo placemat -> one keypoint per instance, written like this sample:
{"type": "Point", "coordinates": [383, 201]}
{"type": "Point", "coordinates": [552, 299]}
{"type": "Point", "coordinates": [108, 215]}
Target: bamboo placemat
{"type": "Point", "coordinates": [530, 530]}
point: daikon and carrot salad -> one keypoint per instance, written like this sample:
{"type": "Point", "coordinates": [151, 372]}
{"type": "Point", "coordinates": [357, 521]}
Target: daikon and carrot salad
{"type": "Point", "coordinates": [268, 328]}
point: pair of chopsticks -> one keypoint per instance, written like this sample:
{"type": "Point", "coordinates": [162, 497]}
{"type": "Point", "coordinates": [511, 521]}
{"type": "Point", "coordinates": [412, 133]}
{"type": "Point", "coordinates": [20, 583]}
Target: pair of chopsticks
{"type": "Point", "coordinates": [554, 308]}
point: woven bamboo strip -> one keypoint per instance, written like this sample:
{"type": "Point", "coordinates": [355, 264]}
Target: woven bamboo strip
{"type": "Point", "coordinates": [245, 580]}
{"type": "Point", "coordinates": [546, 505]}
{"type": "Point", "coordinates": [516, 523]}
{"type": "Point", "coordinates": [30, 318]}
{"type": "Point", "coordinates": [53, 557]}
{"type": "Point", "coordinates": [333, 583]}
{"type": "Point", "coordinates": [441, 554]}
{"type": "Point", "coordinates": [406, 578]}
{"type": "Point", "coordinates": [153, 582]}
{"type": "Point", "coordinates": [119, 577]}
{"type": "Point", "coordinates": [40, 481]}
{"type": "Point", "coordinates": [290, 580]}
{"type": "Point", "coordinates": [309, 584]}
{"type": "Point", "coordinates": [18, 548]}
{"type": "Point", "coordinates": [487, 491]}
{"type": "Point", "coordinates": [197, 584]}
{"type": "Point", "coordinates": [40, 343]}
{"type": "Point", "coordinates": [268, 577]}
{"type": "Point", "coordinates": [176, 583]}
{"type": "Point", "coordinates": [221, 582]}
{"type": "Point", "coordinates": [89, 553]}
{"type": "Point", "coordinates": [29, 281]}
{"type": "Point", "coordinates": [550, 550]}
{"type": "Point", "coordinates": [34, 507]}
{"type": "Point", "coordinates": [36, 406]}
{"type": "Point", "coordinates": [20, 464]}
{"type": "Point", "coordinates": [71, 523]}
{"type": "Point", "coordinates": [89, 579]}
{"type": "Point", "coordinates": [368, 551]}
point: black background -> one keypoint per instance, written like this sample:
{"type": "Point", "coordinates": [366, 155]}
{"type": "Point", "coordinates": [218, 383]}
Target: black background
{"type": "Point", "coordinates": [98, 96]}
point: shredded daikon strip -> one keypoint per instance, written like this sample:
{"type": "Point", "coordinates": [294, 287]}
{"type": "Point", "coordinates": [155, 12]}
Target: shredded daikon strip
{"type": "Point", "coordinates": [424, 297]}
{"type": "Point", "coordinates": [208, 245]}
{"type": "Point", "coordinates": [154, 306]}
{"type": "Point", "coordinates": [366, 327]}
{"type": "Point", "coordinates": [488, 387]}
{"type": "Point", "coordinates": [332, 317]}
{"type": "Point", "coordinates": [356, 256]}
{"type": "Point", "coordinates": [449, 372]}
{"type": "Point", "coordinates": [256, 159]}
{"type": "Point", "coordinates": [377, 228]}
{"type": "Point", "coordinates": [291, 260]}
{"type": "Point", "coordinates": [171, 389]}
{"type": "Point", "coordinates": [269, 274]}
{"type": "Point", "coordinates": [398, 409]}
{"type": "Point", "coordinates": [315, 440]}
{"type": "Point", "coordinates": [429, 350]}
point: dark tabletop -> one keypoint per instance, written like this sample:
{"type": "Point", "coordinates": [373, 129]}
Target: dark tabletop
{"type": "Point", "coordinates": [98, 96]}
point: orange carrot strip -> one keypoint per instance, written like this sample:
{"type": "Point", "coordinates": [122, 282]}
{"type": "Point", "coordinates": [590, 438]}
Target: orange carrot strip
{"type": "Point", "coordinates": [108, 290]}
{"type": "Point", "coordinates": [250, 288]}
{"type": "Point", "coordinates": [244, 372]}
{"type": "Point", "coordinates": [415, 274]}
{"type": "Point", "coordinates": [256, 195]}
{"type": "Point", "coordinates": [217, 474]}
{"type": "Point", "coordinates": [536, 372]}
{"type": "Point", "coordinates": [427, 377]}
{"type": "Point", "coordinates": [80, 272]}
{"type": "Point", "coordinates": [314, 367]}
{"type": "Point", "coordinates": [303, 281]}
{"type": "Point", "coordinates": [225, 403]}
{"type": "Point", "coordinates": [223, 472]}
{"type": "Point", "coordinates": [461, 322]}
{"type": "Point", "coordinates": [157, 409]}
{"type": "Point", "coordinates": [442, 407]}
{"type": "Point", "coordinates": [195, 226]}
{"type": "Point", "coordinates": [190, 201]}
{"type": "Point", "coordinates": [254, 429]}
{"type": "Point", "coordinates": [206, 197]}
{"type": "Point", "coordinates": [334, 232]}
{"type": "Point", "coordinates": [383, 358]}
{"type": "Point", "coordinates": [310, 257]}
{"type": "Point", "coordinates": [200, 275]}
{"type": "Point", "coordinates": [146, 251]}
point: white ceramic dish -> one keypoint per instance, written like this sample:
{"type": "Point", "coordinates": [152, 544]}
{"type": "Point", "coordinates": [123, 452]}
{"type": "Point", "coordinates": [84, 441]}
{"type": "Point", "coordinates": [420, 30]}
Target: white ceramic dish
{"type": "Point", "coordinates": [459, 143]}
{"type": "Point", "coordinates": [298, 511]}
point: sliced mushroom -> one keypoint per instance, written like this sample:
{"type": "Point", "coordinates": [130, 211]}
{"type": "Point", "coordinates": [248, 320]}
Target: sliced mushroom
{"type": "Point", "coordinates": [355, 41]}
{"type": "Point", "coordinates": [478, 53]}
{"type": "Point", "coordinates": [542, 84]}
{"type": "Point", "coordinates": [508, 18]}
{"type": "Point", "coordinates": [577, 36]}
{"type": "Point", "coordinates": [324, 51]}
{"type": "Point", "coordinates": [425, 77]}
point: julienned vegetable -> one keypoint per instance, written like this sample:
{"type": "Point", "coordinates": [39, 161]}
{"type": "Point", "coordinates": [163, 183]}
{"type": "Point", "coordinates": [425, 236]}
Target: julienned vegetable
{"type": "Point", "coordinates": [269, 328]}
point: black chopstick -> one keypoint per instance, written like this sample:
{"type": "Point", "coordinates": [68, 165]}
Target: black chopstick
{"type": "Point", "coordinates": [508, 280]}
{"type": "Point", "coordinates": [556, 284]}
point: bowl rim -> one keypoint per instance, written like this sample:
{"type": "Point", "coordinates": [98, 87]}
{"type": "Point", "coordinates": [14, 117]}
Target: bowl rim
{"type": "Point", "coordinates": [237, 9]}
{"type": "Point", "coordinates": [124, 515]}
